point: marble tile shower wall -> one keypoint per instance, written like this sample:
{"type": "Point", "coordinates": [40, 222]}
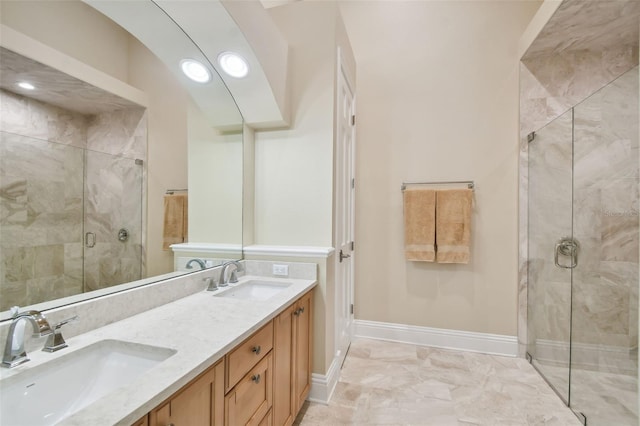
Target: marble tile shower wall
{"type": "Point", "coordinates": [549, 86]}
{"type": "Point", "coordinates": [601, 299]}
{"type": "Point", "coordinates": [552, 84]}
{"type": "Point", "coordinates": [606, 206]}
{"type": "Point", "coordinates": [42, 191]}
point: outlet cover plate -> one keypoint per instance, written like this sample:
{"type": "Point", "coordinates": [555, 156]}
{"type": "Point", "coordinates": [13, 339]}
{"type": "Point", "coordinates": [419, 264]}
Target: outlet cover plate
{"type": "Point", "coordinates": [281, 270]}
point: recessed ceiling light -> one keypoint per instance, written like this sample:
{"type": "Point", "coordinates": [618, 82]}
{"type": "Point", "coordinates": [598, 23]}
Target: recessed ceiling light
{"type": "Point", "coordinates": [26, 85]}
{"type": "Point", "coordinates": [195, 70]}
{"type": "Point", "coordinates": [233, 64]}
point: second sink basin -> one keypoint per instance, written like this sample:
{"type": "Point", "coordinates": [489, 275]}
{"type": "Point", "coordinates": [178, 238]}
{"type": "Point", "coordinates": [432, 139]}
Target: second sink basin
{"type": "Point", "coordinates": [50, 392]}
{"type": "Point", "coordinates": [254, 290]}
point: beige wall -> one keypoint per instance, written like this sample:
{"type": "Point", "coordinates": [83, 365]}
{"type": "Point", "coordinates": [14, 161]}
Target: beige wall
{"type": "Point", "coordinates": [294, 167]}
{"type": "Point", "coordinates": [72, 28]}
{"type": "Point", "coordinates": [437, 99]}
{"type": "Point", "coordinates": [167, 145]}
{"type": "Point", "coordinates": [215, 182]}
{"type": "Point", "coordinates": [79, 31]}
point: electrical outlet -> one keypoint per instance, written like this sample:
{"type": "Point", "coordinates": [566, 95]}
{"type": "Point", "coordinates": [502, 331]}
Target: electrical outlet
{"type": "Point", "coordinates": [281, 270]}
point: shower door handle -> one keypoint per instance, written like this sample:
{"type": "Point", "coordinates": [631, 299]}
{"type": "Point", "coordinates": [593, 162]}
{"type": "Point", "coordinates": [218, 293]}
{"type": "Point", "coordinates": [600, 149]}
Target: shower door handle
{"type": "Point", "coordinates": [567, 246]}
{"type": "Point", "coordinates": [89, 239]}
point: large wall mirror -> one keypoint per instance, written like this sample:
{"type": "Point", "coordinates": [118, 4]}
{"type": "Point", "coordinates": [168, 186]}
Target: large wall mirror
{"type": "Point", "coordinates": [97, 184]}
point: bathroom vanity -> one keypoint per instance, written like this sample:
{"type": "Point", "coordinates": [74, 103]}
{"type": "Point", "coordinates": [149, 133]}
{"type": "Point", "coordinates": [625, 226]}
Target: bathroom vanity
{"type": "Point", "coordinates": [263, 381]}
{"type": "Point", "coordinates": [229, 357]}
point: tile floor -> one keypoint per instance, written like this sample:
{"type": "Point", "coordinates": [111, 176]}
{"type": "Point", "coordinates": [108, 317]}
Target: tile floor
{"type": "Point", "coordinates": [607, 399]}
{"type": "Point", "coordinates": [385, 383]}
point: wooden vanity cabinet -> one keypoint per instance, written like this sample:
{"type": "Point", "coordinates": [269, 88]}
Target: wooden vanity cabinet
{"type": "Point", "coordinates": [201, 403]}
{"type": "Point", "coordinates": [292, 360]}
{"type": "Point", "coordinates": [142, 422]}
{"type": "Point", "coordinates": [261, 382]}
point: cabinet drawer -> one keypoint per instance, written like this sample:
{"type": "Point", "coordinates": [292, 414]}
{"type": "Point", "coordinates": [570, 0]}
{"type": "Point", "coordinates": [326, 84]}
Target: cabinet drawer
{"type": "Point", "coordinates": [245, 356]}
{"type": "Point", "coordinates": [250, 401]}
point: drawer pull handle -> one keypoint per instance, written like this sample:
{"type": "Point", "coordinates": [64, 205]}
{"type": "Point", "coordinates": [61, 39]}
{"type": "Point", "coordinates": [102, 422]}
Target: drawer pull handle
{"type": "Point", "coordinates": [256, 378]}
{"type": "Point", "coordinates": [256, 350]}
{"type": "Point", "coordinates": [298, 311]}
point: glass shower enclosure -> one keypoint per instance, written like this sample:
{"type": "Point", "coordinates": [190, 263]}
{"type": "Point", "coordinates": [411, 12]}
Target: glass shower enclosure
{"type": "Point", "coordinates": [583, 244]}
{"type": "Point", "coordinates": [71, 220]}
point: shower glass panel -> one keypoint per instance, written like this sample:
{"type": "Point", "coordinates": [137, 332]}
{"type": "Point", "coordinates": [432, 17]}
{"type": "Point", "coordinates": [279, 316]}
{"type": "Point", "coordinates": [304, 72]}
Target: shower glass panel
{"type": "Point", "coordinates": [604, 346]}
{"type": "Point", "coordinates": [56, 200]}
{"type": "Point", "coordinates": [583, 269]}
{"type": "Point", "coordinates": [550, 220]}
{"type": "Point", "coordinates": [112, 220]}
{"type": "Point", "coordinates": [41, 189]}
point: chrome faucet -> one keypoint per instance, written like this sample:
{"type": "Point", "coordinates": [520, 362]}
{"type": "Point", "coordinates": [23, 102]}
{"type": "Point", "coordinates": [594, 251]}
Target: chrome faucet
{"type": "Point", "coordinates": [14, 352]}
{"type": "Point", "coordinates": [198, 261]}
{"type": "Point", "coordinates": [233, 278]}
{"type": "Point", "coordinates": [56, 341]}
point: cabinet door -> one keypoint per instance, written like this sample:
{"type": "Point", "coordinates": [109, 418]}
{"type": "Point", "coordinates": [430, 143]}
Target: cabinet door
{"type": "Point", "coordinates": [303, 338]}
{"type": "Point", "coordinates": [198, 404]}
{"type": "Point", "coordinates": [267, 421]}
{"type": "Point", "coordinates": [251, 399]}
{"type": "Point", "coordinates": [283, 368]}
{"type": "Point", "coordinates": [142, 422]}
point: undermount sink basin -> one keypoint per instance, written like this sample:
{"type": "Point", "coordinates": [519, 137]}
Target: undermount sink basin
{"type": "Point", "coordinates": [254, 290]}
{"type": "Point", "coordinates": [50, 392]}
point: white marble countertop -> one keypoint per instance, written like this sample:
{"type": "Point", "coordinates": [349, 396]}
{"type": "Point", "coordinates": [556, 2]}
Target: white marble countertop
{"type": "Point", "coordinates": [201, 328]}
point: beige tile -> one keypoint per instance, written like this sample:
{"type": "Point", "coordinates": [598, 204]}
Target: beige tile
{"type": "Point", "coordinates": [385, 383]}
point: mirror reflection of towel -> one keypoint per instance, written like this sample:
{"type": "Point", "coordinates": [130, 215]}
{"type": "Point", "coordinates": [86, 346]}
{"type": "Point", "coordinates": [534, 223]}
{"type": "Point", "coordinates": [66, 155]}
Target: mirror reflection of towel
{"type": "Point", "coordinates": [175, 220]}
{"type": "Point", "coordinates": [419, 224]}
{"type": "Point", "coordinates": [453, 225]}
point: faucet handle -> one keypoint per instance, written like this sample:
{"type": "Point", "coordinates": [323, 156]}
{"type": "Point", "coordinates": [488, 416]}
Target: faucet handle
{"type": "Point", "coordinates": [56, 341]}
{"type": "Point", "coordinates": [65, 322]}
{"type": "Point", "coordinates": [212, 285]}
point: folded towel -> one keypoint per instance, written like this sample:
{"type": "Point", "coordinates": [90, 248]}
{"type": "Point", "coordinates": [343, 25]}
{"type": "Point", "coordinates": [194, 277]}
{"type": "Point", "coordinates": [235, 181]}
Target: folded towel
{"type": "Point", "coordinates": [419, 224]}
{"type": "Point", "coordinates": [453, 225]}
{"type": "Point", "coordinates": [175, 220]}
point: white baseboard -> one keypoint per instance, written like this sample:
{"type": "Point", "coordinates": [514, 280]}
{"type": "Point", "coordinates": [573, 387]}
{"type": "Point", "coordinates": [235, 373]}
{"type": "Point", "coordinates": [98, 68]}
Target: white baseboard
{"type": "Point", "coordinates": [494, 344]}
{"type": "Point", "coordinates": [322, 386]}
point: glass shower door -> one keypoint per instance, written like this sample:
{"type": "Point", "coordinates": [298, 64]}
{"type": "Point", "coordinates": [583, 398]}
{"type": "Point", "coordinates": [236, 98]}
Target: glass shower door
{"type": "Point", "coordinates": [112, 220]}
{"type": "Point", "coordinates": [604, 354]}
{"type": "Point", "coordinates": [551, 253]}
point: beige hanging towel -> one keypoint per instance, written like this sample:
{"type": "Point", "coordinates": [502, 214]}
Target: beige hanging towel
{"type": "Point", "coordinates": [175, 220]}
{"type": "Point", "coordinates": [453, 225]}
{"type": "Point", "coordinates": [419, 224]}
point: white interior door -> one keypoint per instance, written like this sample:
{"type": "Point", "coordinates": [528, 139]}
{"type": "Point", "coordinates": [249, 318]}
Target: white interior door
{"type": "Point", "coordinates": [345, 188]}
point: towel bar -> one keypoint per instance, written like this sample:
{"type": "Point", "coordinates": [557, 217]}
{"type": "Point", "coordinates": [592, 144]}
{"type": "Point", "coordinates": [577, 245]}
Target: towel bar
{"type": "Point", "coordinates": [470, 184]}
{"type": "Point", "coordinates": [171, 191]}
